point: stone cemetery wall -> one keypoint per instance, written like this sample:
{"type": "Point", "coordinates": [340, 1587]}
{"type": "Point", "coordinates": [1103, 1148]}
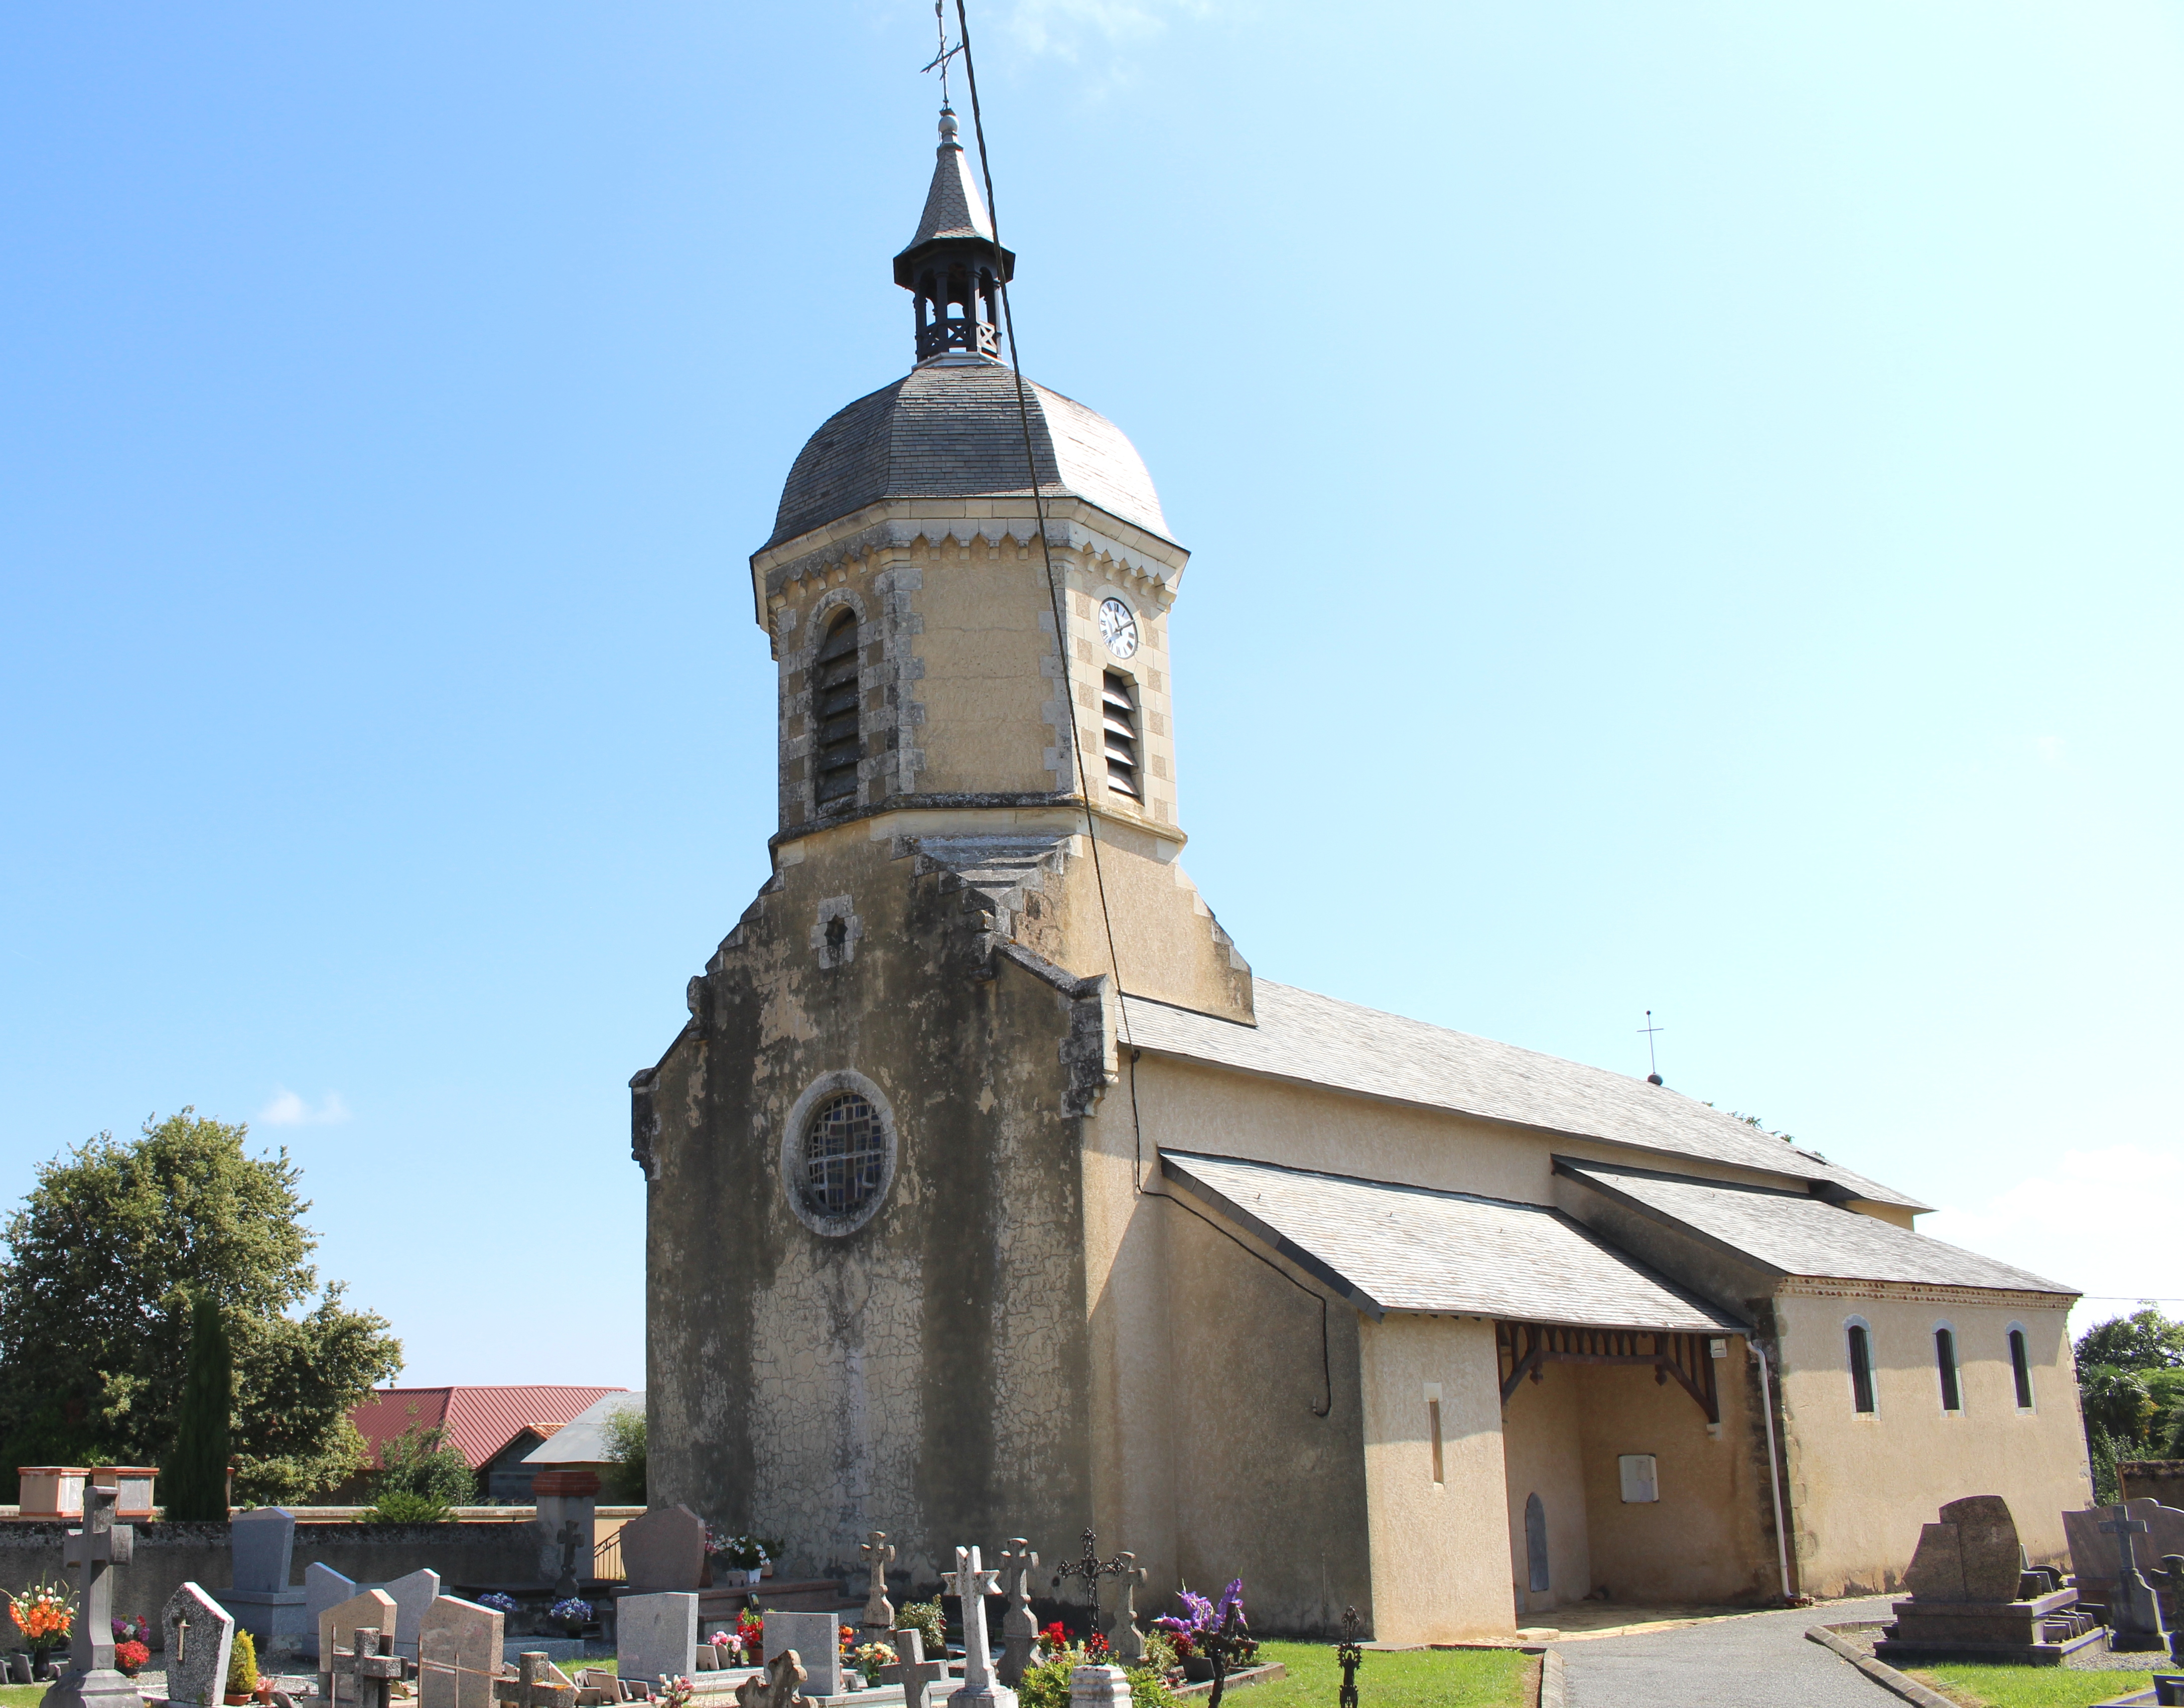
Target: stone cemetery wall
{"type": "Point", "coordinates": [169, 1555]}
{"type": "Point", "coordinates": [2152, 1479]}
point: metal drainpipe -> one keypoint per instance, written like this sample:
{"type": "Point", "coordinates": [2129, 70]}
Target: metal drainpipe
{"type": "Point", "coordinates": [1773, 1470]}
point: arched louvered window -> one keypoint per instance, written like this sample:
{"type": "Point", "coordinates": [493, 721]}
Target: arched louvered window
{"type": "Point", "coordinates": [835, 748]}
{"type": "Point", "coordinates": [1119, 721]}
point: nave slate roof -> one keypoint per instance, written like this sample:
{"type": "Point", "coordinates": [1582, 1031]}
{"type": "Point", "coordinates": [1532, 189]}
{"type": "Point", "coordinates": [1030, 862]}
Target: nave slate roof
{"type": "Point", "coordinates": [1312, 1040]}
{"type": "Point", "coordinates": [1409, 1248]}
{"type": "Point", "coordinates": [1796, 1233]}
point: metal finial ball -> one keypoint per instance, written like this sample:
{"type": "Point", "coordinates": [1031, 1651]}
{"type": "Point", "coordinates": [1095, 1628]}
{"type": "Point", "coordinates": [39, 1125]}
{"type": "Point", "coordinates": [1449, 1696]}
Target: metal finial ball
{"type": "Point", "coordinates": [949, 130]}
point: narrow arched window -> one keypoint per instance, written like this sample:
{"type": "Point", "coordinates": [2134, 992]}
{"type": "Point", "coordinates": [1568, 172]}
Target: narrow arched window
{"type": "Point", "coordinates": [1861, 1367]}
{"type": "Point", "coordinates": [1945, 1360]}
{"type": "Point", "coordinates": [835, 748]}
{"type": "Point", "coordinates": [1119, 720]}
{"type": "Point", "coordinates": [2021, 1367]}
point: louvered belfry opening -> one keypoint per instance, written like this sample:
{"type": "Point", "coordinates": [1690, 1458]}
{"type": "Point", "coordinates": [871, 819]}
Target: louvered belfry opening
{"type": "Point", "coordinates": [835, 748]}
{"type": "Point", "coordinates": [1119, 720]}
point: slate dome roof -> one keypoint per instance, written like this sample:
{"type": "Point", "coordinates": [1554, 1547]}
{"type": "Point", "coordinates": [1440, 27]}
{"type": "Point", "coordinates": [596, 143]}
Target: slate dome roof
{"type": "Point", "coordinates": [950, 429]}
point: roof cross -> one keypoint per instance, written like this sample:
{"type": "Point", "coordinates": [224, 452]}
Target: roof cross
{"type": "Point", "coordinates": [1653, 1061]}
{"type": "Point", "coordinates": [939, 61]}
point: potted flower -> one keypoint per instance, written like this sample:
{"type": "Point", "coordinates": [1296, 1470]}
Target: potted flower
{"type": "Point", "coordinates": [45, 1613]}
{"type": "Point", "coordinates": [1200, 1619]}
{"type": "Point", "coordinates": [750, 1626]}
{"type": "Point", "coordinates": [742, 1557]}
{"type": "Point", "coordinates": [572, 1615]}
{"type": "Point", "coordinates": [769, 1548]}
{"type": "Point", "coordinates": [499, 1601]}
{"type": "Point", "coordinates": [871, 1657]}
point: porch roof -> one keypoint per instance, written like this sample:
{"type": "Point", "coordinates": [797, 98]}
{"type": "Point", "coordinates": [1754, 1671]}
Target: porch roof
{"type": "Point", "coordinates": [1386, 1247]}
{"type": "Point", "coordinates": [1796, 1234]}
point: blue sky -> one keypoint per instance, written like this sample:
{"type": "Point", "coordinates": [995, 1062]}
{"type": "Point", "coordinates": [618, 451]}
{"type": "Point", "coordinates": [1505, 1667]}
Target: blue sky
{"type": "Point", "coordinates": [1685, 498]}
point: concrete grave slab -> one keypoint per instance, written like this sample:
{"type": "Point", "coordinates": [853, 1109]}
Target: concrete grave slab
{"type": "Point", "coordinates": [656, 1635]}
{"type": "Point", "coordinates": [200, 1634]}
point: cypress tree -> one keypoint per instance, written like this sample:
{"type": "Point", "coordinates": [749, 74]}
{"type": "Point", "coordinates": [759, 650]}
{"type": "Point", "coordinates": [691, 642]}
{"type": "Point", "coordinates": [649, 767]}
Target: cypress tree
{"type": "Point", "coordinates": [196, 1474]}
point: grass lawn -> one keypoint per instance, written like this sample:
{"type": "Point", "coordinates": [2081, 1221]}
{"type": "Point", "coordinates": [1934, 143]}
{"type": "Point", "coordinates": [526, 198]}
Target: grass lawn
{"type": "Point", "coordinates": [21, 1696]}
{"type": "Point", "coordinates": [1430, 1679]}
{"type": "Point", "coordinates": [2022, 1687]}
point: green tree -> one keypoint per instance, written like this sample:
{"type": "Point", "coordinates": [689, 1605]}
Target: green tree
{"type": "Point", "coordinates": [624, 1434]}
{"type": "Point", "coordinates": [418, 1463]}
{"type": "Point", "coordinates": [195, 1477]}
{"type": "Point", "coordinates": [102, 1262]}
{"type": "Point", "coordinates": [2147, 1339]}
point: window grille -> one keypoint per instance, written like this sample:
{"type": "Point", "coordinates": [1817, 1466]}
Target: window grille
{"type": "Point", "coordinates": [1119, 720]}
{"type": "Point", "coordinates": [2021, 1367]}
{"type": "Point", "coordinates": [1861, 1367]}
{"type": "Point", "coordinates": [1944, 1357]}
{"type": "Point", "coordinates": [844, 1155]}
{"type": "Point", "coordinates": [835, 746]}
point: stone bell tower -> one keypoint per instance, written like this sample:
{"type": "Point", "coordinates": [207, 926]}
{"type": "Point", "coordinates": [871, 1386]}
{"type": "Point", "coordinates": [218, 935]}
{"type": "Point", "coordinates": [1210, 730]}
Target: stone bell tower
{"type": "Point", "coordinates": [869, 1154]}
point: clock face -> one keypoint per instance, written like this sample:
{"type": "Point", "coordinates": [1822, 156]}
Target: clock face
{"type": "Point", "coordinates": [1118, 628]}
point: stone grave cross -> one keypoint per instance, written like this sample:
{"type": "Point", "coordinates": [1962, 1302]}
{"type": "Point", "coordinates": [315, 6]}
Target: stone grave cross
{"type": "Point", "coordinates": [1019, 1628]}
{"type": "Point", "coordinates": [970, 1584]}
{"type": "Point", "coordinates": [2136, 1615]}
{"type": "Point", "coordinates": [1123, 1636]}
{"type": "Point", "coordinates": [94, 1551]}
{"type": "Point", "coordinates": [879, 1611]}
{"type": "Point", "coordinates": [778, 1684]}
{"type": "Point", "coordinates": [912, 1669]}
{"type": "Point", "coordinates": [372, 1662]}
{"type": "Point", "coordinates": [539, 1682]}
{"type": "Point", "coordinates": [569, 1540]}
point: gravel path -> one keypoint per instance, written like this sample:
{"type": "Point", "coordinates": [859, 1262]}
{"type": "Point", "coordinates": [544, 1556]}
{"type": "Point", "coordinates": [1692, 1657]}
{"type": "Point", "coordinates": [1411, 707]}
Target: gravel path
{"type": "Point", "coordinates": [1761, 1660]}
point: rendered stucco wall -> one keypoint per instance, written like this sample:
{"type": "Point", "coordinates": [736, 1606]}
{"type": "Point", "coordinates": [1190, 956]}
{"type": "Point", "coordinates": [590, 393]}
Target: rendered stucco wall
{"type": "Point", "coordinates": [1543, 1437]}
{"type": "Point", "coordinates": [1438, 1553]}
{"type": "Point", "coordinates": [1861, 1485]}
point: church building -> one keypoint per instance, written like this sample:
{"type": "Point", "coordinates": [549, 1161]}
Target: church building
{"type": "Point", "coordinates": [991, 1194]}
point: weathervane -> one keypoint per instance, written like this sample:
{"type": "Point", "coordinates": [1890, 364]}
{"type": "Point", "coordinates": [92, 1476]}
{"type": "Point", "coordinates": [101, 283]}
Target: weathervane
{"type": "Point", "coordinates": [1649, 1029]}
{"type": "Point", "coordinates": [939, 61]}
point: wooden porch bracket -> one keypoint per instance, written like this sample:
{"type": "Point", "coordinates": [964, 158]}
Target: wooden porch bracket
{"type": "Point", "coordinates": [1526, 1348]}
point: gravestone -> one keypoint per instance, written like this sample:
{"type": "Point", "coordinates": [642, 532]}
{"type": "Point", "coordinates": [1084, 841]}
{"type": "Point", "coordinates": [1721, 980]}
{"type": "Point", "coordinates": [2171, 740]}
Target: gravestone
{"type": "Point", "coordinates": [366, 1670]}
{"type": "Point", "coordinates": [458, 1654]}
{"type": "Point", "coordinates": [1019, 1625]}
{"type": "Point", "coordinates": [656, 1635]}
{"type": "Point", "coordinates": [570, 1543]}
{"type": "Point", "coordinates": [198, 1633]}
{"type": "Point", "coordinates": [1965, 1581]}
{"type": "Point", "coordinates": [565, 1497]}
{"type": "Point", "coordinates": [971, 1585]}
{"type": "Point", "coordinates": [323, 1587]}
{"type": "Point", "coordinates": [1123, 1635]}
{"type": "Point", "coordinates": [262, 1543]}
{"type": "Point", "coordinates": [2093, 1554]}
{"type": "Point", "coordinates": [1099, 1686]}
{"type": "Point", "coordinates": [912, 1671]}
{"type": "Point", "coordinates": [413, 1595]}
{"type": "Point", "coordinates": [665, 1550]}
{"type": "Point", "coordinates": [2134, 1615]}
{"type": "Point", "coordinates": [778, 1684]}
{"type": "Point", "coordinates": [879, 1611]}
{"type": "Point", "coordinates": [817, 1638]}
{"type": "Point", "coordinates": [93, 1552]}
{"type": "Point", "coordinates": [262, 1548]}
{"type": "Point", "coordinates": [368, 1610]}
{"type": "Point", "coordinates": [538, 1683]}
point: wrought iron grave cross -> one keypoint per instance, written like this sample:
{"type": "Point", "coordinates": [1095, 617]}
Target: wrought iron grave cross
{"type": "Point", "coordinates": [1347, 1655]}
{"type": "Point", "coordinates": [1091, 1568]}
{"type": "Point", "coordinates": [1221, 1648]}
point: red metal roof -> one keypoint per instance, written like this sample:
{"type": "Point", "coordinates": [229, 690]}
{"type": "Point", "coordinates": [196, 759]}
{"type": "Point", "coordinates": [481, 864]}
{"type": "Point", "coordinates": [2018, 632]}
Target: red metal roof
{"type": "Point", "coordinates": [478, 1422]}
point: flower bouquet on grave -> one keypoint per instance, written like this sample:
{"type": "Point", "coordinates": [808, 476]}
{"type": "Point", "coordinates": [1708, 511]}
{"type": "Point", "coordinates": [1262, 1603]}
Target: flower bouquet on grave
{"type": "Point", "coordinates": [45, 1614]}
{"type": "Point", "coordinates": [499, 1600]}
{"type": "Point", "coordinates": [676, 1692]}
{"type": "Point", "coordinates": [744, 1554]}
{"type": "Point", "coordinates": [1202, 1619]}
{"type": "Point", "coordinates": [572, 1615]}
{"type": "Point", "coordinates": [871, 1657]}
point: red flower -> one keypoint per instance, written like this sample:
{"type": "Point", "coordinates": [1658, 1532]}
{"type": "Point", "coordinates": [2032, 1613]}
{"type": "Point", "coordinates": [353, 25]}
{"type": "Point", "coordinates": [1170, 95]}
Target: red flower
{"type": "Point", "coordinates": [131, 1656]}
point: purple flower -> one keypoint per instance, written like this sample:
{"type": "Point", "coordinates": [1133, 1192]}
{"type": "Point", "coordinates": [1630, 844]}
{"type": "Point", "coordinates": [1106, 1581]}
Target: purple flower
{"type": "Point", "coordinates": [1232, 1596]}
